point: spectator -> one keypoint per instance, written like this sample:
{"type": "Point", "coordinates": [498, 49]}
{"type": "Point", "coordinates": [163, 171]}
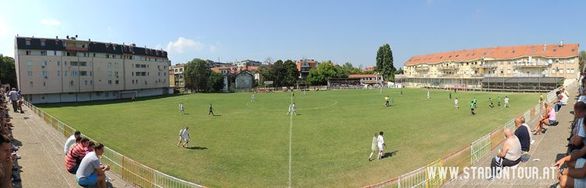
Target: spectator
{"type": "Point", "coordinates": [75, 155]}
{"type": "Point", "coordinates": [91, 172]}
{"type": "Point", "coordinates": [509, 155]}
{"type": "Point", "coordinates": [70, 141]}
{"type": "Point", "coordinates": [522, 133]}
{"type": "Point", "coordinates": [562, 99]}
{"type": "Point", "coordinates": [548, 118]}
{"type": "Point", "coordinates": [5, 162]}
{"type": "Point", "coordinates": [13, 96]}
{"type": "Point", "coordinates": [576, 141]}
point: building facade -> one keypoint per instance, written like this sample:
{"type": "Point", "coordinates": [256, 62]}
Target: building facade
{"type": "Point", "coordinates": [176, 76]}
{"type": "Point", "coordinates": [467, 67]}
{"type": "Point", "coordinates": [304, 65]}
{"type": "Point", "coordinates": [70, 70]}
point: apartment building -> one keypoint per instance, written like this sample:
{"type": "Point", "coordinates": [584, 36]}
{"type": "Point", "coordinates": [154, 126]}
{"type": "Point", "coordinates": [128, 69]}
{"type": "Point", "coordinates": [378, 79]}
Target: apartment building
{"type": "Point", "coordinates": [71, 70]}
{"type": "Point", "coordinates": [472, 65]}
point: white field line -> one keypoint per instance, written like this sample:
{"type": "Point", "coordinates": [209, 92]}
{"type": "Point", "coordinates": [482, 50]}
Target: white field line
{"type": "Point", "coordinates": [290, 141]}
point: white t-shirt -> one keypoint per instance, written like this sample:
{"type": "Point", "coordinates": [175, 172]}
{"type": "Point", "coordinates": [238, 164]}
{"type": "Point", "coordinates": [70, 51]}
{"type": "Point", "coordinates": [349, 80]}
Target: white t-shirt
{"type": "Point", "coordinates": [506, 100]}
{"type": "Point", "coordinates": [88, 165]}
{"type": "Point", "coordinates": [380, 141]}
{"type": "Point", "coordinates": [564, 99]}
{"type": "Point", "coordinates": [68, 143]}
{"type": "Point", "coordinates": [456, 101]}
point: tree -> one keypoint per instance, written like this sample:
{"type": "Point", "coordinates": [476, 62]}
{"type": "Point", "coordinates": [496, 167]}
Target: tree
{"type": "Point", "coordinates": [281, 73]}
{"type": "Point", "coordinates": [290, 73]}
{"type": "Point", "coordinates": [216, 82]}
{"type": "Point", "coordinates": [197, 73]}
{"type": "Point", "coordinates": [384, 62]}
{"type": "Point", "coordinates": [351, 69]}
{"type": "Point", "coordinates": [7, 70]}
{"type": "Point", "coordinates": [400, 71]}
{"type": "Point", "coordinates": [325, 71]}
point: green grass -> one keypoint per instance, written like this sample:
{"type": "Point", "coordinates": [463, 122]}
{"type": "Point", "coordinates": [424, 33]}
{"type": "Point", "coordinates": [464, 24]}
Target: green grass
{"type": "Point", "coordinates": [248, 145]}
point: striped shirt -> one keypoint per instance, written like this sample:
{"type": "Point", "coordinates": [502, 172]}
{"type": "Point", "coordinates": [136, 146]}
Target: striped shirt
{"type": "Point", "coordinates": [74, 156]}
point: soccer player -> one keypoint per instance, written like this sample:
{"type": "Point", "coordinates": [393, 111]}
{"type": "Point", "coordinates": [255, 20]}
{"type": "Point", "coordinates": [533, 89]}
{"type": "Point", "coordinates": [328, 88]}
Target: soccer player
{"type": "Point", "coordinates": [252, 98]}
{"type": "Point", "coordinates": [490, 103]}
{"type": "Point", "coordinates": [456, 103]}
{"type": "Point", "coordinates": [506, 101]}
{"type": "Point", "coordinates": [475, 102]}
{"type": "Point", "coordinates": [428, 96]}
{"type": "Point", "coordinates": [211, 110]}
{"type": "Point", "coordinates": [380, 143]}
{"type": "Point", "coordinates": [387, 101]}
{"type": "Point", "coordinates": [472, 106]}
{"type": "Point", "coordinates": [450, 95]}
{"type": "Point", "coordinates": [292, 109]}
{"type": "Point", "coordinates": [183, 137]}
{"type": "Point", "coordinates": [181, 108]}
{"type": "Point", "coordinates": [373, 146]}
{"type": "Point", "coordinates": [498, 100]}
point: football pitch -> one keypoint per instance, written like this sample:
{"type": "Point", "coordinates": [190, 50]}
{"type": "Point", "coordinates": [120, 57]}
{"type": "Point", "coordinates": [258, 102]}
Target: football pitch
{"type": "Point", "coordinates": [247, 144]}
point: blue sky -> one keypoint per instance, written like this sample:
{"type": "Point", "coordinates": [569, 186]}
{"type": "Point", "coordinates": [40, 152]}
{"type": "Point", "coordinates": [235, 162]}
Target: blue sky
{"type": "Point", "coordinates": [341, 31]}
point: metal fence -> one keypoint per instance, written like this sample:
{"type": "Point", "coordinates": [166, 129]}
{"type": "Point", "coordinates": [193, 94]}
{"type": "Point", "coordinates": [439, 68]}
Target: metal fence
{"type": "Point", "coordinates": [467, 156]}
{"type": "Point", "coordinates": [130, 170]}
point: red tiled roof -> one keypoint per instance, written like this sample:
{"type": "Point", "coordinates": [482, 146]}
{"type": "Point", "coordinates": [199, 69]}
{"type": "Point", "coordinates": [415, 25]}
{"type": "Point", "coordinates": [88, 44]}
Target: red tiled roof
{"type": "Point", "coordinates": [506, 52]}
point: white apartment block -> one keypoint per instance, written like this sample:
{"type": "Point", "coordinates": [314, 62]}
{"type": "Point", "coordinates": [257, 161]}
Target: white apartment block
{"type": "Point", "coordinates": [70, 70]}
{"type": "Point", "coordinates": [470, 66]}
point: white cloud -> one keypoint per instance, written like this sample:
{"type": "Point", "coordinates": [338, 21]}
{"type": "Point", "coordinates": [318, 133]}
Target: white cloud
{"type": "Point", "coordinates": [50, 22]}
{"type": "Point", "coordinates": [182, 45]}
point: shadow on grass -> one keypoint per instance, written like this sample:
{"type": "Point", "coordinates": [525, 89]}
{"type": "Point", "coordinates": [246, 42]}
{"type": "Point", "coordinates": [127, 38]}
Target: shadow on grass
{"type": "Point", "coordinates": [389, 154]}
{"type": "Point", "coordinates": [103, 102]}
{"type": "Point", "coordinates": [196, 148]}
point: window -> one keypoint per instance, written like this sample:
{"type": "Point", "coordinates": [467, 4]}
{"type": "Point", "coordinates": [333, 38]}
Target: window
{"type": "Point", "coordinates": [110, 82]}
{"type": "Point", "coordinates": [85, 82]}
{"type": "Point", "coordinates": [30, 73]}
{"type": "Point", "coordinates": [65, 74]}
{"type": "Point", "coordinates": [28, 42]}
{"type": "Point", "coordinates": [42, 42]}
{"type": "Point", "coordinates": [31, 83]}
{"type": "Point", "coordinates": [28, 52]}
{"type": "Point", "coordinates": [117, 82]}
{"type": "Point", "coordinates": [74, 63]}
{"type": "Point", "coordinates": [94, 54]}
{"type": "Point", "coordinates": [58, 63]}
{"type": "Point", "coordinates": [44, 52]}
{"type": "Point", "coordinates": [58, 73]}
{"type": "Point", "coordinates": [83, 63]}
{"type": "Point", "coordinates": [44, 84]}
{"type": "Point", "coordinates": [83, 73]}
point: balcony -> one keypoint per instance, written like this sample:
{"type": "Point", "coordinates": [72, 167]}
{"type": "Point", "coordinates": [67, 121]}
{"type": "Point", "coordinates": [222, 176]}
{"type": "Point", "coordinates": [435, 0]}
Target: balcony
{"type": "Point", "coordinates": [448, 68]}
{"type": "Point", "coordinates": [422, 68]}
{"type": "Point", "coordinates": [531, 65]}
